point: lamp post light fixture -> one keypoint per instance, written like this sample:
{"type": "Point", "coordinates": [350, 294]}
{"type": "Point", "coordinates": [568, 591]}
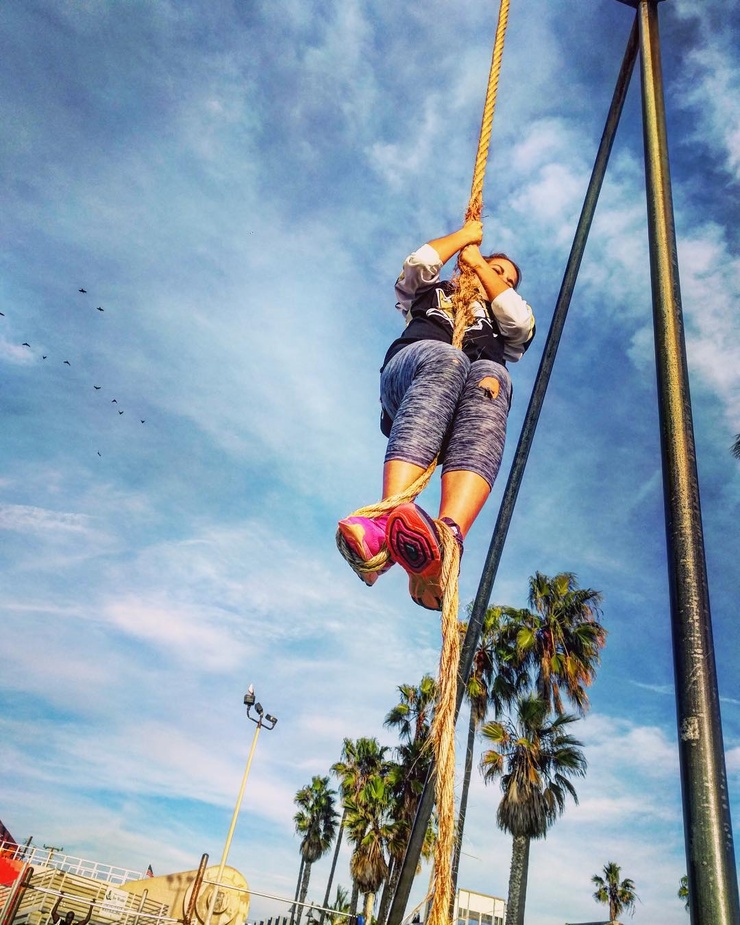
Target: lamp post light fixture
{"type": "Point", "coordinates": [262, 720]}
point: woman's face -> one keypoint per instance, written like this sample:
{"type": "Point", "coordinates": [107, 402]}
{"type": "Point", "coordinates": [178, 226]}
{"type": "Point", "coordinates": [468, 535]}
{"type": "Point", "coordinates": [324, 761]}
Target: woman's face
{"type": "Point", "coordinates": [505, 269]}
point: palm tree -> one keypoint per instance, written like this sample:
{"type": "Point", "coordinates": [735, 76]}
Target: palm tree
{"type": "Point", "coordinates": [369, 829]}
{"type": "Point", "coordinates": [412, 718]}
{"type": "Point", "coordinates": [316, 821]}
{"type": "Point", "coordinates": [495, 679]}
{"type": "Point", "coordinates": [736, 447]}
{"type": "Point", "coordinates": [340, 905]}
{"type": "Point", "coordinates": [683, 891]}
{"type": "Point", "coordinates": [412, 715]}
{"type": "Point", "coordinates": [406, 782]}
{"type": "Point", "coordinates": [620, 896]}
{"type": "Point", "coordinates": [560, 639]}
{"type": "Point", "coordinates": [534, 760]}
{"type": "Point", "coordinates": [360, 760]}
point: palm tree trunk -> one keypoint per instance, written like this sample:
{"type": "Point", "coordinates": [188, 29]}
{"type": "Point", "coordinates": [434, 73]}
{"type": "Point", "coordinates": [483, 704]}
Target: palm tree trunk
{"type": "Point", "coordinates": [354, 898]}
{"type": "Point", "coordinates": [304, 890]}
{"type": "Point", "coordinates": [463, 808]}
{"type": "Point", "coordinates": [368, 910]}
{"type": "Point", "coordinates": [394, 870]}
{"type": "Point", "coordinates": [333, 866]}
{"type": "Point", "coordinates": [518, 880]}
{"type": "Point", "coordinates": [294, 908]}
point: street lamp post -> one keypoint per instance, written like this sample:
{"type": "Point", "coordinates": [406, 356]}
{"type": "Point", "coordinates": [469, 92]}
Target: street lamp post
{"type": "Point", "coordinates": [262, 720]}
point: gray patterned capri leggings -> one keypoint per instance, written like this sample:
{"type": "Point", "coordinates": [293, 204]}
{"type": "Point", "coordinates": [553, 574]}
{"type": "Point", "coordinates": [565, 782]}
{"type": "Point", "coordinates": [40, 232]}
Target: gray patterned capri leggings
{"type": "Point", "coordinates": [443, 404]}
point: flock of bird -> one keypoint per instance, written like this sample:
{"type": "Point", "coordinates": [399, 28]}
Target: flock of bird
{"type": "Point", "coordinates": [97, 388]}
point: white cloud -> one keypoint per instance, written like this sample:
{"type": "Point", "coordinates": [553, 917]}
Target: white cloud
{"type": "Point", "coordinates": [710, 276]}
{"type": "Point", "coordinates": [15, 353]}
{"type": "Point", "coordinates": [25, 518]}
{"type": "Point", "coordinates": [399, 162]}
{"type": "Point", "coordinates": [709, 86]}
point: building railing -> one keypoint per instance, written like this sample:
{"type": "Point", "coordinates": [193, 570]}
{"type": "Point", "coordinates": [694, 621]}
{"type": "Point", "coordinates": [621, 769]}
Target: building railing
{"type": "Point", "coordinates": [50, 857]}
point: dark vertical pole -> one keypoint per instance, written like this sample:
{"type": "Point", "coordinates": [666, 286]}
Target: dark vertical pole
{"type": "Point", "coordinates": [713, 893]}
{"type": "Point", "coordinates": [21, 885]}
{"type": "Point", "coordinates": [547, 362]}
{"type": "Point", "coordinates": [426, 802]}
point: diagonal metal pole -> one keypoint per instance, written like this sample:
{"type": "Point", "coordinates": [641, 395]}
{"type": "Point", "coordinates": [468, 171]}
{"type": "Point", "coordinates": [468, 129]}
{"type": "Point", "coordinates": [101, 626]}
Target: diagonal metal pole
{"type": "Point", "coordinates": [713, 892]}
{"type": "Point", "coordinates": [516, 474]}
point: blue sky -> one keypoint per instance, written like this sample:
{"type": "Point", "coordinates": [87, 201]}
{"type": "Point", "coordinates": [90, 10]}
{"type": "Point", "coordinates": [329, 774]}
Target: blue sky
{"type": "Point", "coordinates": [236, 185]}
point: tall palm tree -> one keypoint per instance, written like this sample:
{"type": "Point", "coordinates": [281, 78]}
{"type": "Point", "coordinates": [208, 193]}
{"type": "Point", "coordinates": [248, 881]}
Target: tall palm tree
{"type": "Point", "coordinates": [316, 822]}
{"type": "Point", "coordinates": [411, 717]}
{"type": "Point", "coordinates": [534, 759]}
{"type": "Point", "coordinates": [369, 829]}
{"type": "Point", "coordinates": [495, 680]}
{"type": "Point", "coordinates": [620, 896]}
{"type": "Point", "coordinates": [560, 638]}
{"type": "Point", "coordinates": [406, 782]}
{"type": "Point", "coordinates": [360, 760]}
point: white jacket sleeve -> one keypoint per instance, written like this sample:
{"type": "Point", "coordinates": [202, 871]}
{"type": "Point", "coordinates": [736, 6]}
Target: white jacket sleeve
{"type": "Point", "coordinates": [516, 322]}
{"type": "Point", "coordinates": [420, 271]}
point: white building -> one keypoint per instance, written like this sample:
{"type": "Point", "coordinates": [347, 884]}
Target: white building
{"type": "Point", "coordinates": [473, 908]}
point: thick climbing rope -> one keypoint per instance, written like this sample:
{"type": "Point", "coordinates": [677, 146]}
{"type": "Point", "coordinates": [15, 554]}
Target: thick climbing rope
{"type": "Point", "coordinates": [467, 291]}
{"type": "Point", "coordinates": [377, 563]}
{"type": "Point", "coordinates": [443, 725]}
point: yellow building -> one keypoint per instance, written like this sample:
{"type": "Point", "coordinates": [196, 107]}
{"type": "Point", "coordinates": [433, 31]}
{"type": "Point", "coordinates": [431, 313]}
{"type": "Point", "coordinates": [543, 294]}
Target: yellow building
{"type": "Point", "coordinates": [114, 895]}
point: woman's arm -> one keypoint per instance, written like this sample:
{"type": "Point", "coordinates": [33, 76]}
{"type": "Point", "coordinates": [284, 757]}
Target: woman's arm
{"type": "Point", "coordinates": [493, 283]}
{"type": "Point", "coordinates": [514, 316]}
{"type": "Point", "coordinates": [450, 244]}
{"type": "Point", "coordinates": [421, 269]}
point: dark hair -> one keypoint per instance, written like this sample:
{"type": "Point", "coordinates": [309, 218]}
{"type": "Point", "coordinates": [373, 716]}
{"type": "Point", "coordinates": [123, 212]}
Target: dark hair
{"type": "Point", "coordinates": [513, 263]}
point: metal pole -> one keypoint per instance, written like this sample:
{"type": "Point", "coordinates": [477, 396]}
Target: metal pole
{"type": "Point", "coordinates": [16, 895]}
{"type": "Point", "coordinates": [227, 845]}
{"type": "Point", "coordinates": [713, 892]}
{"type": "Point", "coordinates": [516, 474]}
{"type": "Point", "coordinates": [547, 363]}
{"type": "Point", "coordinates": [195, 892]}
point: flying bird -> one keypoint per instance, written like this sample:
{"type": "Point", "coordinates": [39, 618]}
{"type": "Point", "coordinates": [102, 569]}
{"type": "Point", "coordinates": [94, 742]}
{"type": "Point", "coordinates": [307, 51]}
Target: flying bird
{"type": "Point", "coordinates": [96, 386]}
{"type": "Point", "coordinates": [114, 400]}
{"type": "Point", "coordinates": [3, 314]}
{"type": "Point", "coordinates": [82, 290]}
{"type": "Point", "coordinates": [143, 420]}
{"type": "Point", "coordinates": [120, 412]}
{"type": "Point", "coordinates": [99, 453]}
{"type": "Point", "coordinates": [44, 356]}
{"type": "Point", "coordinates": [25, 344]}
{"type": "Point", "coordinates": [100, 309]}
{"type": "Point", "coordinates": [67, 363]}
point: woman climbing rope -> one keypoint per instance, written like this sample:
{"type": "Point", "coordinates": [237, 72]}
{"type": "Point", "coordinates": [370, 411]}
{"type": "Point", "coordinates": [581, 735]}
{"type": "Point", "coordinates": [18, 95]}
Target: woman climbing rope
{"type": "Point", "coordinates": [439, 401]}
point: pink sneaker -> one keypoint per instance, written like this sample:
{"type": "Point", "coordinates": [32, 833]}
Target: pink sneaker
{"type": "Point", "coordinates": [413, 542]}
{"type": "Point", "coordinates": [361, 540]}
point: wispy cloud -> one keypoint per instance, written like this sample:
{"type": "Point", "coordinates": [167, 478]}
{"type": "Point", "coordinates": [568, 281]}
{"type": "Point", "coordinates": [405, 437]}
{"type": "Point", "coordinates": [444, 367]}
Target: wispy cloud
{"type": "Point", "coordinates": [24, 518]}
